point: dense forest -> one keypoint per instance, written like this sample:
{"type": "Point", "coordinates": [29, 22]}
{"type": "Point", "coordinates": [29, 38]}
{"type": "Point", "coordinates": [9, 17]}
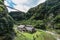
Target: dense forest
{"type": "Point", "coordinates": [6, 23]}
{"type": "Point", "coordinates": [45, 16]}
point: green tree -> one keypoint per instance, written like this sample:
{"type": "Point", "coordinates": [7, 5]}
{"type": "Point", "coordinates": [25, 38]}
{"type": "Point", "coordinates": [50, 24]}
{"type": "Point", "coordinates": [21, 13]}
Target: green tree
{"type": "Point", "coordinates": [6, 23]}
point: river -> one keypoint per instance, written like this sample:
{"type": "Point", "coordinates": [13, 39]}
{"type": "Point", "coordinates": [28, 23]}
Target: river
{"type": "Point", "coordinates": [54, 34]}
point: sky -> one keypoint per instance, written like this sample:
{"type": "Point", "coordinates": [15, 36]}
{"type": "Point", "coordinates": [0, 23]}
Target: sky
{"type": "Point", "coordinates": [22, 5]}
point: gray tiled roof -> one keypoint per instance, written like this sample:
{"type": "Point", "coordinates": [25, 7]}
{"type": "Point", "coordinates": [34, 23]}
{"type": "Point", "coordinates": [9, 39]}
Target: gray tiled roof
{"type": "Point", "coordinates": [29, 28]}
{"type": "Point", "coordinates": [21, 26]}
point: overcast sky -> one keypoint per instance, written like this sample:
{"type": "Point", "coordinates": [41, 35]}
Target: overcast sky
{"type": "Point", "coordinates": [22, 5]}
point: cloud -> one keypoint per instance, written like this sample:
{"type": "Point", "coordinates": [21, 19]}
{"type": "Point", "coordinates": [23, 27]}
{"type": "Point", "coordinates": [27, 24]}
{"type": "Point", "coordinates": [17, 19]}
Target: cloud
{"type": "Point", "coordinates": [41, 1]}
{"type": "Point", "coordinates": [23, 5]}
{"type": "Point", "coordinates": [19, 1]}
{"type": "Point", "coordinates": [31, 3]}
{"type": "Point", "coordinates": [22, 8]}
{"type": "Point", "coordinates": [10, 3]}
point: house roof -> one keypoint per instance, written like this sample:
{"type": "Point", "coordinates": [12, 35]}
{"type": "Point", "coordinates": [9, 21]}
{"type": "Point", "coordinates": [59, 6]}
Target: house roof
{"type": "Point", "coordinates": [29, 25]}
{"type": "Point", "coordinates": [21, 26]}
{"type": "Point", "coordinates": [29, 28]}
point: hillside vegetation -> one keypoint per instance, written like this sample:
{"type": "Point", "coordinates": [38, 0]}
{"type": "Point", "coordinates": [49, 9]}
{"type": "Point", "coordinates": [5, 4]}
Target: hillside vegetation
{"type": "Point", "coordinates": [45, 16]}
{"type": "Point", "coordinates": [6, 23]}
{"type": "Point", "coordinates": [38, 35]}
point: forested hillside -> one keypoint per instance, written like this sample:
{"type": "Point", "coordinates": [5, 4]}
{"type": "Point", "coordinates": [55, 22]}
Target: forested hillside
{"type": "Point", "coordinates": [48, 11]}
{"type": "Point", "coordinates": [17, 15]}
{"type": "Point", "coordinates": [6, 23]}
{"type": "Point", "coordinates": [45, 15]}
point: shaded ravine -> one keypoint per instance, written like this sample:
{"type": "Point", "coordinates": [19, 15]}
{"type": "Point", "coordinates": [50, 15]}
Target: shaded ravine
{"type": "Point", "coordinates": [54, 34]}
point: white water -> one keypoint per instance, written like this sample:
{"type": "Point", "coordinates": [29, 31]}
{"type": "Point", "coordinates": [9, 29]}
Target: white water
{"type": "Point", "coordinates": [55, 35]}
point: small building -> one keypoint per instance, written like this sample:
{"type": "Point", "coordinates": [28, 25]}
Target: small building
{"type": "Point", "coordinates": [30, 29]}
{"type": "Point", "coordinates": [26, 28]}
{"type": "Point", "coordinates": [21, 28]}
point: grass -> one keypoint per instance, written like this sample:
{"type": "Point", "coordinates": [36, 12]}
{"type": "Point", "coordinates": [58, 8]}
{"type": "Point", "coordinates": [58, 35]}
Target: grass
{"type": "Point", "coordinates": [38, 35]}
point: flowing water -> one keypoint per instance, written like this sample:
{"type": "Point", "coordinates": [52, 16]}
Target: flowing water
{"type": "Point", "coordinates": [54, 34]}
